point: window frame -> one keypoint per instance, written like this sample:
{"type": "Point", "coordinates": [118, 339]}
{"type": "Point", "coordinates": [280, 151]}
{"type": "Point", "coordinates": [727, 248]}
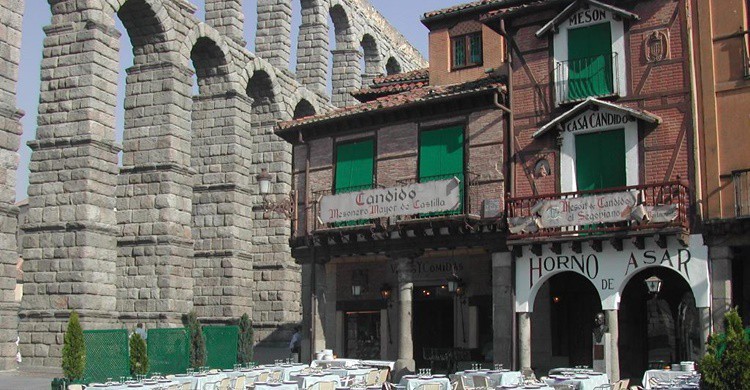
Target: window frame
{"type": "Point", "coordinates": [335, 161]}
{"type": "Point", "coordinates": [467, 50]}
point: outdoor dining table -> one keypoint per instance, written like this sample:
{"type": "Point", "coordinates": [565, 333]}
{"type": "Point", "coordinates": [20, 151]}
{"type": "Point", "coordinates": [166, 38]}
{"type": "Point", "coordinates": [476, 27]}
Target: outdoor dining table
{"type": "Point", "coordinates": [494, 377]}
{"type": "Point", "coordinates": [287, 370]}
{"type": "Point", "coordinates": [412, 382]}
{"type": "Point", "coordinates": [200, 381]}
{"type": "Point", "coordinates": [580, 381]}
{"type": "Point", "coordinates": [307, 380]}
{"type": "Point", "coordinates": [276, 386]}
{"type": "Point", "coordinates": [132, 386]}
{"type": "Point", "coordinates": [359, 374]}
{"type": "Point", "coordinates": [667, 378]}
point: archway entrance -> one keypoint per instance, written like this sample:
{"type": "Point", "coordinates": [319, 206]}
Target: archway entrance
{"type": "Point", "coordinates": [562, 322]}
{"type": "Point", "coordinates": [657, 330]}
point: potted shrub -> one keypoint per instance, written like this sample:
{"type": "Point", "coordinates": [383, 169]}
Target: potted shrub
{"type": "Point", "coordinates": [727, 361]}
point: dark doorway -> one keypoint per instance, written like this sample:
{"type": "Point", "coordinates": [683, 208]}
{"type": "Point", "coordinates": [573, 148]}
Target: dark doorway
{"type": "Point", "coordinates": [673, 329]}
{"type": "Point", "coordinates": [432, 324]}
{"type": "Point", "coordinates": [362, 335]}
{"type": "Point", "coordinates": [566, 315]}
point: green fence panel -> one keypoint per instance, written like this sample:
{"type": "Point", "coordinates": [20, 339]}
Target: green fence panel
{"type": "Point", "coordinates": [107, 354]}
{"type": "Point", "coordinates": [221, 346]}
{"type": "Point", "coordinates": [168, 350]}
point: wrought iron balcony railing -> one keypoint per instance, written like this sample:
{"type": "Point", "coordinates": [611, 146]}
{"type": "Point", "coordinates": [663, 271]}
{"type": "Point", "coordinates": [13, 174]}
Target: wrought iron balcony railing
{"type": "Point", "coordinates": [658, 206]}
{"type": "Point", "coordinates": [741, 182]}
{"type": "Point", "coordinates": [578, 79]}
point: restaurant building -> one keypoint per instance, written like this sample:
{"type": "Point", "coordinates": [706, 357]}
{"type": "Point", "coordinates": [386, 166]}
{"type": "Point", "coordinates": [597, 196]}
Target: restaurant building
{"type": "Point", "coordinates": [399, 211]}
{"type": "Point", "coordinates": [722, 63]}
{"type": "Point", "coordinates": [601, 190]}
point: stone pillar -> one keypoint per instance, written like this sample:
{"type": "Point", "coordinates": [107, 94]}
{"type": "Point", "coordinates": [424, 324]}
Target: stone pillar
{"type": "Point", "coordinates": [312, 49]}
{"type": "Point", "coordinates": [10, 137]}
{"type": "Point", "coordinates": [524, 341]}
{"type": "Point", "coordinates": [368, 78]}
{"type": "Point", "coordinates": [614, 350]}
{"type": "Point", "coordinates": [154, 196]}
{"type": "Point", "coordinates": [705, 324]}
{"type": "Point", "coordinates": [346, 76]}
{"type": "Point", "coordinates": [502, 305]}
{"type": "Point", "coordinates": [227, 17]}
{"type": "Point", "coordinates": [329, 322]}
{"type": "Point", "coordinates": [405, 351]}
{"type": "Point", "coordinates": [319, 339]}
{"type": "Point", "coordinates": [222, 207]}
{"type": "Point", "coordinates": [70, 230]}
{"type": "Point", "coordinates": [721, 284]}
{"type": "Point", "coordinates": [273, 36]}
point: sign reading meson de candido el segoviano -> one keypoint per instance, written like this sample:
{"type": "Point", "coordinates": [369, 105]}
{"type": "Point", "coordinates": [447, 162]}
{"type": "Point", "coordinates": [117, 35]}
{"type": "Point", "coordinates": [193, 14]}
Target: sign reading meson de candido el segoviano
{"type": "Point", "coordinates": [418, 198]}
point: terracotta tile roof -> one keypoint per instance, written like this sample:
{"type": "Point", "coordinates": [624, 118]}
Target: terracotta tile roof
{"type": "Point", "coordinates": [388, 85]}
{"type": "Point", "coordinates": [394, 101]}
{"type": "Point", "coordinates": [498, 13]}
{"type": "Point", "coordinates": [461, 7]}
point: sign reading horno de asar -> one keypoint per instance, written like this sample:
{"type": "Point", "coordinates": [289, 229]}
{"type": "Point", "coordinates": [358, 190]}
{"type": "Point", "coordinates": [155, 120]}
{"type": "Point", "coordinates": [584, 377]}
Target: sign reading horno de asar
{"type": "Point", "coordinates": [429, 197]}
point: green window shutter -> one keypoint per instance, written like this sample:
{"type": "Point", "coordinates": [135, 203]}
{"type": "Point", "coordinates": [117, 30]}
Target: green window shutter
{"type": "Point", "coordinates": [354, 166]}
{"type": "Point", "coordinates": [441, 156]}
{"type": "Point", "coordinates": [600, 160]}
{"type": "Point", "coordinates": [459, 52]}
{"type": "Point", "coordinates": [590, 61]}
{"type": "Point", "coordinates": [475, 48]}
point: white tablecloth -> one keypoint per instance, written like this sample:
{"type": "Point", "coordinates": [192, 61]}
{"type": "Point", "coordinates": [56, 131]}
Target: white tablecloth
{"type": "Point", "coordinates": [412, 382]}
{"type": "Point", "coordinates": [305, 381]}
{"type": "Point", "coordinates": [589, 383]}
{"type": "Point", "coordinates": [664, 376]}
{"type": "Point", "coordinates": [335, 363]}
{"type": "Point", "coordinates": [360, 374]}
{"type": "Point", "coordinates": [494, 378]}
{"type": "Point", "coordinates": [126, 387]}
{"type": "Point", "coordinates": [201, 382]}
{"type": "Point", "coordinates": [287, 370]}
{"type": "Point", "coordinates": [276, 386]}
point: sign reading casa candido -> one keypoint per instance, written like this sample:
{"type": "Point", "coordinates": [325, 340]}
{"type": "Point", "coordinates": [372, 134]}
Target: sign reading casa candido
{"type": "Point", "coordinates": [429, 197]}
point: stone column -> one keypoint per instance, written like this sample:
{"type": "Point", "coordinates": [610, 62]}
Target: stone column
{"type": "Point", "coordinates": [705, 324]}
{"type": "Point", "coordinates": [502, 305]}
{"type": "Point", "coordinates": [330, 327]}
{"type": "Point", "coordinates": [154, 196]}
{"type": "Point", "coordinates": [222, 206]}
{"type": "Point", "coordinates": [70, 230]}
{"type": "Point", "coordinates": [319, 339]}
{"type": "Point", "coordinates": [405, 351]}
{"type": "Point", "coordinates": [614, 350]}
{"type": "Point", "coordinates": [227, 17]}
{"type": "Point", "coordinates": [273, 36]}
{"type": "Point", "coordinates": [721, 284]}
{"type": "Point", "coordinates": [10, 137]}
{"type": "Point", "coordinates": [346, 76]}
{"type": "Point", "coordinates": [524, 341]}
{"type": "Point", "coordinates": [312, 49]}
{"type": "Point", "coordinates": [313, 307]}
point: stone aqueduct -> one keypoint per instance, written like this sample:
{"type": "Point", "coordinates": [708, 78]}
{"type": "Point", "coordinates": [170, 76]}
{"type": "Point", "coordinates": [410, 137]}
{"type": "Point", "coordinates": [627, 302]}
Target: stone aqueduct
{"type": "Point", "coordinates": [176, 225]}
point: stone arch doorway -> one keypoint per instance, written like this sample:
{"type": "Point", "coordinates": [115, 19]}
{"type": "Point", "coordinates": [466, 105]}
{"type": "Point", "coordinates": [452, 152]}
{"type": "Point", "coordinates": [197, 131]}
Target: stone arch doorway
{"type": "Point", "coordinates": [662, 328]}
{"type": "Point", "coordinates": [562, 322]}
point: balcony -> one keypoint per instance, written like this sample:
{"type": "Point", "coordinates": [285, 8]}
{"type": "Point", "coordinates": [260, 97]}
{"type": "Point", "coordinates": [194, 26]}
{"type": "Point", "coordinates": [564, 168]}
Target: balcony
{"type": "Point", "coordinates": [469, 211]}
{"type": "Point", "coordinates": [576, 80]}
{"type": "Point", "coordinates": [741, 183]}
{"type": "Point", "coordinates": [661, 207]}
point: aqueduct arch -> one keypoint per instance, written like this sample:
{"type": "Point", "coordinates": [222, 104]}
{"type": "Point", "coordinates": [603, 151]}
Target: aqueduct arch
{"type": "Point", "coordinates": [177, 227]}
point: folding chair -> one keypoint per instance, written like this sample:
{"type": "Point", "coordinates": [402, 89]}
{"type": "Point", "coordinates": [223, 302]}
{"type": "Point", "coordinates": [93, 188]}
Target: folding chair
{"type": "Point", "coordinates": [563, 387]}
{"type": "Point", "coordinates": [224, 384]}
{"type": "Point", "coordinates": [187, 386]}
{"type": "Point", "coordinates": [622, 384]}
{"type": "Point", "coordinates": [75, 387]}
{"type": "Point", "coordinates": [275, 376]}
{"type": "Point", "coordinates": [462, 385]}
{"type": "Point", "coordinates": [382, 376]}
{"type": "Point", "coordinates": [263, 377]}
{"type": "Point", "coordinates": [480, 382]}
{"type": "Point", "coordinates": [372, 378]}
{"type": "Point", "coordinates": [239, 383]}
{"type": "Point", "coordinates": [428, 386]}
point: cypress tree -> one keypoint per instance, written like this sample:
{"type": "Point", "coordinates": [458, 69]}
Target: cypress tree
{"type": "Point", "coordinates": [138, 355]}
{"type": "Point", "coordinates": [245, 340]}
{"type": "Point", "coordinates": [74, 349]}
{"type": "Point", "coordinates": [727, 361]}
{"type": "Point", "coordinates": [197, 341]}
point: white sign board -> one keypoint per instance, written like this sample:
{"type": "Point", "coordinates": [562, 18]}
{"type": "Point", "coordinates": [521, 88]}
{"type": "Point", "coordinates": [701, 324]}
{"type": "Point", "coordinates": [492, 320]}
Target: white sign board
{"type": "Point", "coordinates": [418, 198]}
{"type": "Point", "coordinates": [610, 270]}
{"type": "Point", "coordinates": [614, 207]}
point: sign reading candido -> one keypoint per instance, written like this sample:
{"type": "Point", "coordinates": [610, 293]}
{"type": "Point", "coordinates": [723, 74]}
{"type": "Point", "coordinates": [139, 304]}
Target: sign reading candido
{"type": "Point", "coordinates": [614, 207]}
{"type": "Point", "coordinates": [429, 197]}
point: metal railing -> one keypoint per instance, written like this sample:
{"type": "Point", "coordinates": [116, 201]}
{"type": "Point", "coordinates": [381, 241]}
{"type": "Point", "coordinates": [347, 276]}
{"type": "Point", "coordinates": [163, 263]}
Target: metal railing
{"type": "Point", "coordinates": [595, 76]}
{"type": "Point", "coordinates": [652, 195]}
{"type": "Point", "coordinates": [741, 182]}
{"type": "Point", "coordinates": [470, 207]}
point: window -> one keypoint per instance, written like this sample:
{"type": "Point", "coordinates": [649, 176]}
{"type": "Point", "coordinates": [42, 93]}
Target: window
{"type": "Point", "coordinates": [441, 156]}
{"type": "Point", "coordinates": [589, 62]}
{"type": "Point", "coordinates": [354, 170]}
{"type": "Point", "coordinates": [467, 50]}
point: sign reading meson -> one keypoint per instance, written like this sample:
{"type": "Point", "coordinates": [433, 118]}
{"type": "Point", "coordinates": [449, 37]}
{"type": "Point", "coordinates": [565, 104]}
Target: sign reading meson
{"type": "Point", "coordinates": [430, 197]}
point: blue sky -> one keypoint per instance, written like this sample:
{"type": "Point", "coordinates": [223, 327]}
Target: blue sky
{"type": "Point", "coordinates": [403, 14]}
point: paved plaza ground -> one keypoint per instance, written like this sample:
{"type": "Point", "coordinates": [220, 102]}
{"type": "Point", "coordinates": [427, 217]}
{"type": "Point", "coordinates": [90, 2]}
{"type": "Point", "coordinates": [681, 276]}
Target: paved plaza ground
{"type": "Point", "coordinates": [17, 380]}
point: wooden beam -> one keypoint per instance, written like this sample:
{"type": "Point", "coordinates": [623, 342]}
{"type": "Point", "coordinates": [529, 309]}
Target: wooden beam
{"type": "Point", "coordinates": [661, 240]}
{"type": "Point", "coordinates": [576, 246]}
{"type": "Point", "coordinates": [616, 243]}
{"type": "Point", "coordinates": [596, 244]}
{"type": "Point", "coordinates": [556, 248]}
{"type": "Point", "coordinates": [639, 242]}
{"type": "Point", "coordinates": [536, 249]}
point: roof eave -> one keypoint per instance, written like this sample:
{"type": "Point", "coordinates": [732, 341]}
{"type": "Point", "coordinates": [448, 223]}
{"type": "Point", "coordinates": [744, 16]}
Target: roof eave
{"type": "Point", "coordinates": [642, 115]}
{"type": "Point", "coordinates": [285, 132]}
{"type": "Point", "coordinates": [577, 3]}
{"type": "Point", "coordinates": [480, 8]}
